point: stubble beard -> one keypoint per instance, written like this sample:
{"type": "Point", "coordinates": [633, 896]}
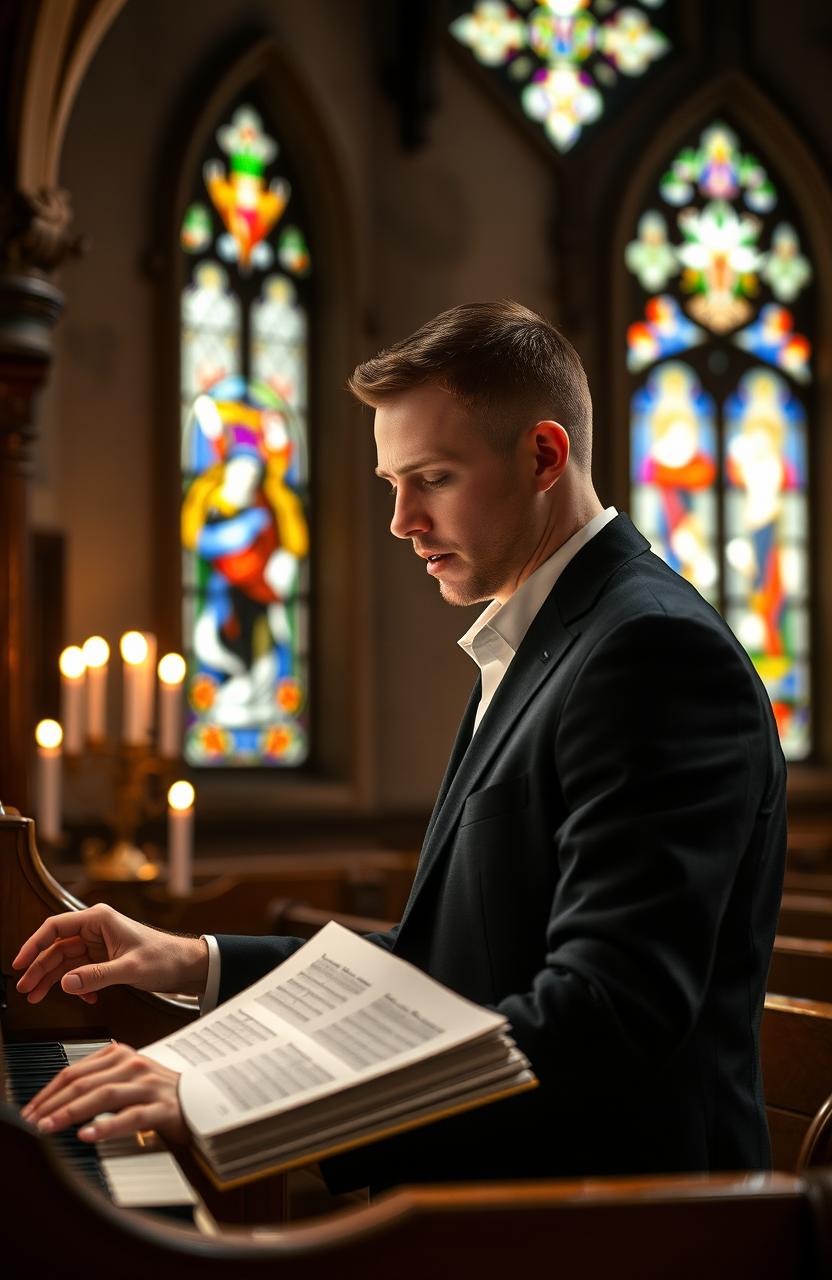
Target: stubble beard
{"type": "Point", "coordinates": [478, 589]}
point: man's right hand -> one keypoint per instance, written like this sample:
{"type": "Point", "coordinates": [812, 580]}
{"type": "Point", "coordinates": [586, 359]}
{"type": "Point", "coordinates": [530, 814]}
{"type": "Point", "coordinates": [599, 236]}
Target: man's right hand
{"type": "Point", "coordinates": [97, 947]}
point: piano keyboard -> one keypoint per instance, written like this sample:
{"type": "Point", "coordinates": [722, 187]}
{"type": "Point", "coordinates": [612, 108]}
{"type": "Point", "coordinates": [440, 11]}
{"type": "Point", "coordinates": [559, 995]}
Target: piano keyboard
{"type": "Point", "coordinates": [135, 1174]}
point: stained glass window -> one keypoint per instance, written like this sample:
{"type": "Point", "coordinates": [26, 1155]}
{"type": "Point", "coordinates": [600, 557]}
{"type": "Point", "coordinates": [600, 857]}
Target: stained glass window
{"type": "Point", "coordinates": [721, 372]}
{"type": "Point", "coordinates": [244, 403]}
{"type": "Point", "coordinates": [565, 60]}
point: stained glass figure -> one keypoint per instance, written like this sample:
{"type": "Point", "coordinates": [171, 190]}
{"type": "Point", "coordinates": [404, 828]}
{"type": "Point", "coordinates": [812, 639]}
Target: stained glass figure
{"type": "Point", "coordinates": [244, 523]}
{"type": "Point", "coordinates": [564, 56]}
{"type": "Point", "coordinates": [279, 341]}
{"type": "Point", "coordinates": [674, 466]}
{"type": "Point", "coordinates": [211, 330]}
{"type": "Point", "coordinates": [765, 551]}
{"type": "Point", "coordinates": [711, 273]}
{"type": "Point", "coordinates": [245, 456]}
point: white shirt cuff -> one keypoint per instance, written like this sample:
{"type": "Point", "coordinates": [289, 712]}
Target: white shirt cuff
{"type": "Point", "coordinates": [208, 1001]}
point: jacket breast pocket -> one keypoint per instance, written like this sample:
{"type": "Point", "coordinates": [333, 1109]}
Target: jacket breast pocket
{"type": "Point", "coordinates": [491, 802]}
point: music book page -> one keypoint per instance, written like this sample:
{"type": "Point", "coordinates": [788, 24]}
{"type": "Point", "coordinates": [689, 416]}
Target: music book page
{"type": "Point", "coordinates": [340, 1043]}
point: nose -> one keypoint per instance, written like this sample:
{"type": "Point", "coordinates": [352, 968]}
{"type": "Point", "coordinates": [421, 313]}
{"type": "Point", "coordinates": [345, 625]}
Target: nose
{"type": "Point", "coordinates": [409, 515]}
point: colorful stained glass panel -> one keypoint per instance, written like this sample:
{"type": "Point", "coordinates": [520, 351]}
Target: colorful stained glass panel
{"type": "Point", "coordinates": [664, 331]}
{"type": "Point", "coordinates": [563, 56]}
{"type": "Point", "coordinates": [279, 341]}
{"type": "Point", "coordinates": [715, 274]}
{"type": "Point", "coordinates": [245, 528]}
{"type": "Point", "coordinates": [211, 330]}
{"type": "Point", "coordinates": [765, 462]}
{"type": "Point", "coordinates": [674, 466]}
{"type": "Point", "coordinates": [244, 376]}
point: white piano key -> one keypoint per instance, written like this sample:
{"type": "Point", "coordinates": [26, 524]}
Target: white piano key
{"type": "Point", "coordinates": [149, 1180]}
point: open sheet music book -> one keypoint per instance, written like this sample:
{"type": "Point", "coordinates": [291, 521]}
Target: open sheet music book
{"type": "Point", "coordinates": [341, 1044]}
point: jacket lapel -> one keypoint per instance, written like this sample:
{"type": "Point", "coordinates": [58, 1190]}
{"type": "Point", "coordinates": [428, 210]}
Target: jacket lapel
{"type": "Point", "coordinates": [461, 744]}
{"type": "Point", "coordinates": [545, 644]}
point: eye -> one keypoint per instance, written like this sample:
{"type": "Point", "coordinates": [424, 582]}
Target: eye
{"type": "Point", "coordinates": [435, 483]}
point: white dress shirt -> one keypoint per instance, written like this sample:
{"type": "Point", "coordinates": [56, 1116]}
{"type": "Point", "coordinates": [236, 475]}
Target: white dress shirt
{"type": "Point", "coordinates": [492, 642]}
{"type": "Point", "coordinates": [497, 633]}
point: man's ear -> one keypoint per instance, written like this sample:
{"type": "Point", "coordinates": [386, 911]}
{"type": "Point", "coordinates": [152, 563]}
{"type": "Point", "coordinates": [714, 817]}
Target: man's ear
{"type": "Point", "coordinates": [548, 443]}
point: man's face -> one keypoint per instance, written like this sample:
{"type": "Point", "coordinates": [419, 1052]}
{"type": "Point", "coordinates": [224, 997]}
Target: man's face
{"type": "Point", "coordinates": [455, 498]}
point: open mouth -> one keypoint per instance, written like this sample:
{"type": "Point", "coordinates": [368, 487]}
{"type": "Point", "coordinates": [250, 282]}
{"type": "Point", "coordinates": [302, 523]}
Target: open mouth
{"type": "Point", "coordinates": [435, 562]}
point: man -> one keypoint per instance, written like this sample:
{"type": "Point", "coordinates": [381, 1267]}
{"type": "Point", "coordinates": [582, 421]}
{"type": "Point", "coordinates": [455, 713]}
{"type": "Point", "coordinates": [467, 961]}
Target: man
{"type": "Point", "coordinates": [605, 858]}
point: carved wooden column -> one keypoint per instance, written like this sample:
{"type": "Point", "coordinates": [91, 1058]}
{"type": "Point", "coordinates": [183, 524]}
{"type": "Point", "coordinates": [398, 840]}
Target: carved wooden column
{"type": "Point", "coordinates": [34, 240]}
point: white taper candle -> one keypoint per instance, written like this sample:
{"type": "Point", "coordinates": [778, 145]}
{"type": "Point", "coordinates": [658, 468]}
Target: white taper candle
{"type": "Point", "coordinates": [134, 654]}
{"type": "Point", "coordinates": [73, 667]}
{"type": "Point", "coordinates": [180, 838]}
{"type": "Point", "coordinates": [49, 736]}
{"type": "Point", "coordinates": [96, 654]}
{"type": "Point", "coordinates": [171, 674]}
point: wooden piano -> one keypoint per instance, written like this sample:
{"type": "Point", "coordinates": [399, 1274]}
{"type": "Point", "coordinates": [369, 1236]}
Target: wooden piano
{"type": "Point", "coordinates": [643, 1229]}
{"type": "Point", "coordinates": [38, 1040]}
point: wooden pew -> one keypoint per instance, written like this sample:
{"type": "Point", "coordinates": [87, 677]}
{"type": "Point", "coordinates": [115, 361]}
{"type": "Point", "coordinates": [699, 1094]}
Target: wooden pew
{"type": "Point", "coordinates": [796, 1052]}
{"type": "Point", "coordinates": [805, 915]}
{"type": "Point", "coordinates": [801, 967]}
{"type": "Point", "coordinates": [814, 882]}
{"type": "Point", "coordinates": [810, 848]}
{"type": "Point", "coordinates": [771, 1227]}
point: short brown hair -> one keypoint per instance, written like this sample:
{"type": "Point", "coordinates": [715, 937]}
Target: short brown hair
{"type": "Point", "coordinates": [499, 357]}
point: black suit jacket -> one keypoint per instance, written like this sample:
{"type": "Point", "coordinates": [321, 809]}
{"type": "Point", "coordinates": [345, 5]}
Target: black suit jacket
{"type": "Point", "coordinates": [603, 866]}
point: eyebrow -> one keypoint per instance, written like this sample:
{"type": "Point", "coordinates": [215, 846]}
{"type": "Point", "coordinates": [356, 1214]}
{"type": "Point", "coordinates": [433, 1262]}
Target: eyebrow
{"type": "Point", "coordinates": [422, 464]}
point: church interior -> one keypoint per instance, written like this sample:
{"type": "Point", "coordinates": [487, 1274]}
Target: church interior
{"type": "Point", "coordinates": [227, 694]}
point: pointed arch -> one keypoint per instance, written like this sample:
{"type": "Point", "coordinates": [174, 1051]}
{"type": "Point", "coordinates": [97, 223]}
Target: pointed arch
{"type": "Point", "coordinates": [304, 480]}
{"type": "Point", "coordinates": [686, 345]}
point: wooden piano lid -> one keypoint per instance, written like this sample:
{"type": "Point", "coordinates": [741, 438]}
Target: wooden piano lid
{"type": "Point", "coordinates": [28, 894]}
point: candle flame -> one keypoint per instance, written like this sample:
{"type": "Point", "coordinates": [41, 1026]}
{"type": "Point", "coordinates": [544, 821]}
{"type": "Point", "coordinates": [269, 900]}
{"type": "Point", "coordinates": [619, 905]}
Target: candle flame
{"type": "Point", "coordinates": [133, 648]}
{"type": "Point", "coordinates": [96, 651]}
{"type": "Point", "coordinates": [172, 668]}
{"type": "Point", "coordinates": [49, 734]}
{"type": "Point", "coordinates": [72, 663]}
{"type": "Point", "coordinates": [181, 796]}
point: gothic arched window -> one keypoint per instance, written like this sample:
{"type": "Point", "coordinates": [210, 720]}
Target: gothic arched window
{"type": "Point", "coordinates": [719, 356]}
{"type": "Point", "coordinates": [244, 363]}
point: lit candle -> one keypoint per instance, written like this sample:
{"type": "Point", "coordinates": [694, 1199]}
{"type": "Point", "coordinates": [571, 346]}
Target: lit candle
{"type": "Point", "coordinates": [49, 736]}
{"type": "Point", "coordinates": [73, 666]}
{"type": "Point", "coordinates": [148, 686]}
{"type": "Point", "coordinates": [133, 647]}
{"type": "Point", "coordinates": [171, 674]}
{"type": "Point", "coordinates": [180, 838]}
{"type": "Point", "coordinates": [96, 655]}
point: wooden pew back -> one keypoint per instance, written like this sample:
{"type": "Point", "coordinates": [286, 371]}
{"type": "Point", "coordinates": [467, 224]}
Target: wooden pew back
{"type": "Point", "coordinates": [801, 967]}
{"type": "Point", "coordinates": [806, 915]}
{"type": "Point", "coordinates": [796, 1051]}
